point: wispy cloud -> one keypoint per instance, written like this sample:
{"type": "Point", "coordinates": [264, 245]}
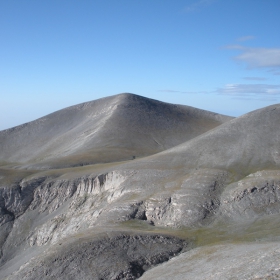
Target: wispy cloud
{"type": "Point", "coordinates": [250, 90]}
{"type": "Point", "coordinates": [178, 91]}
{"type": "Point", "coordinates": [234, 47]}
{"type": "Point", "coordinates": [260, 92]}
{"type": "Point", "coordinates": [274, 71]}
{"type": "Point", "coordinates": [255, 78]}
{"type": "Point", "coordinates": [170, 90]}
{"type": "Point", "coordinates": [197, 5]}
{"type": "Point", "coordinates": [258, 57]}
{"type": "Point", "coordinates": [267, 99]}
{"type": "Point", "coordinates": [245, 38]}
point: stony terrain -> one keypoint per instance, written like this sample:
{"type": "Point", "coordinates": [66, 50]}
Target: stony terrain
{"type": "Point", "coordinates": [219, 262]}
{"type": "Point", "coordinates": [111, 188]}
{"type": "Point", "coordinates": [113, 256]}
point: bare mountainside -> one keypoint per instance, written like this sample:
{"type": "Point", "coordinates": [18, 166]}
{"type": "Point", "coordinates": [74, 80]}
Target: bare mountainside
{"type": "Point", "coordinates": [201, 200]}
{"type": "Point", "coordinates": [110, 129]}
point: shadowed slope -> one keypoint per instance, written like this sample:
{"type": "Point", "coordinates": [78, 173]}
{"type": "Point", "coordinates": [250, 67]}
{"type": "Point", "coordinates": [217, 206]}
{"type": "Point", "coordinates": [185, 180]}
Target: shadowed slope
{"type": "Point", "coordinates": [109, 129]}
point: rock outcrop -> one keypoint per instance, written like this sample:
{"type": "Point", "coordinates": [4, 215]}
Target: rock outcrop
{"type": "Point", "coordinates": [113, 256]}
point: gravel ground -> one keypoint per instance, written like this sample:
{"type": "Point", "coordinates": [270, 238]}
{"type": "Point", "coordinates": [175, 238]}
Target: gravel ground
{"type": "Point", "coordinates": [220, 262]}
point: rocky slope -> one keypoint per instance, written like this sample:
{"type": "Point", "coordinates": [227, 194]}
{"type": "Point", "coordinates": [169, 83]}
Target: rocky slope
{"type": "Point", "coordinates": [203, 180]}
{"type": "Point", "coordinates": [113, 256]}
{"type": "Point", "coordinates": [235, 261]}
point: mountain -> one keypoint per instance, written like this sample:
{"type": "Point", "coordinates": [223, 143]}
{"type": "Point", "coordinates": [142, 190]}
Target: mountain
{"type": "Point", "coordinates": [229, 171]}
{"type": "Point", "coordinates": [242, 145]}
{"type": "Point", "coordinates": [116, 128]}
{"type": "Point", "coordinates": [111, 188]}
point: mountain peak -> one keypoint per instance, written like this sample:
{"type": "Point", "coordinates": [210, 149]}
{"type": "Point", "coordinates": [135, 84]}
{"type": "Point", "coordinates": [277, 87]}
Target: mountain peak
{"type": "Point", "coordinates": [114, 128]}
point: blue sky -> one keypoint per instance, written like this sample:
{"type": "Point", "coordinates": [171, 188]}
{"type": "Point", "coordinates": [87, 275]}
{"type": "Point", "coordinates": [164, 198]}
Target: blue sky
{"type": "Point", "coordinates": [218, 55]}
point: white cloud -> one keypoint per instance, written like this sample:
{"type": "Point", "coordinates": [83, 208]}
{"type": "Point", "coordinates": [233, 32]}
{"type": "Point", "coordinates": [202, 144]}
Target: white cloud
{"type": "Point", "coordinates": [245, 38]}
{"type": "Point", "coordinates": [254, 78]}
{"type": "Point", "coordinates": [266, 99]}
{"type": "Point", "coordinates": [260, 92]}
{"type": "Point", "coordinates": [260, 57]}
{"type": "Point", "coordinates": [250, 90]}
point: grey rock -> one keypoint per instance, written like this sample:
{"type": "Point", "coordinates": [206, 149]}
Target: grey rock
{"type": "Point", "coordinates": [254, 196]}
{"type": "Point", "coordinates": [113, 256]}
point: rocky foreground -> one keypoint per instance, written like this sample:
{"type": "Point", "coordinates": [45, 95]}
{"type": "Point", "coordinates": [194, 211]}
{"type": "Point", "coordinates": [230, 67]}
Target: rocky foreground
{"type": "Point", "coordinates": [127, 187]}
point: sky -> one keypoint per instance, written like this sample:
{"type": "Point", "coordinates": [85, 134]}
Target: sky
{"type": "Point", "coordinates": [218, 55]}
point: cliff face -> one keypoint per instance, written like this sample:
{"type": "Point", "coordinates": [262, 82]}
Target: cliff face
{"type": "Point", "coordinates": [202, 179]}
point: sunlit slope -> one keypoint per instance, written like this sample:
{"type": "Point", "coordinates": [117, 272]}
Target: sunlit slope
{"type": "Point", "coordinates": [115, 128]}
{"type": "Point", "coordinates": [229, 173]}
{"type": "Point", "coordinates": [242, 146]}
